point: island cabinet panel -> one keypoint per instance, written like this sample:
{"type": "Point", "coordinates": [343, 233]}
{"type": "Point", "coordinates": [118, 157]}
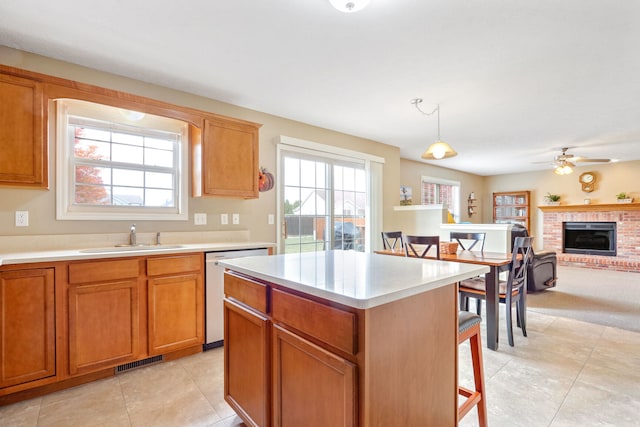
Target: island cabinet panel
{"type": "Point", "coordinates": [104, 314]}
{"type": "Point", "coordinates": [228, 159]}
{"type": "Point", "coordinates": [408, 376]}
{"type": "Point", "coordinates": [22, 133]}
{"type": "Point", "coordinates": [311, 386]}
{"type": "Point", "coordinates": [247, 363]}
{"type": "Point", "coordinates": [27, 322]}
{"type": "Point", "coordinates": [175, 301]}
{"type": "Point", "coordinates": [330, 325]}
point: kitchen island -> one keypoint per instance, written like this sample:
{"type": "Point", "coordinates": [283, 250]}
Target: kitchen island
{"type": "Point", "coordinates": [342, 338]}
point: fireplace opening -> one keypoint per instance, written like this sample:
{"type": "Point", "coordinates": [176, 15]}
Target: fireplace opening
{"type": "Point", "coordinates": [589, 238]}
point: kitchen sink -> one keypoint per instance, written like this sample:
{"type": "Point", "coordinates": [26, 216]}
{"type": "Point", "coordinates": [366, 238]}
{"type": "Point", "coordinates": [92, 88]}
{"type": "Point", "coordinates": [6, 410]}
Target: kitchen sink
{"type": "Point", "coordinates": [128, 248]}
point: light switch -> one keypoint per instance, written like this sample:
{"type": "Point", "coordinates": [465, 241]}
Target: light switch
{"type": "Point", "coordinates": [271, 219]}
{"type": "Point", "coordinates": [224, 219]}
{"type": "Point", "coordinates": [236, 219]}
{"type": "Point", "coordinates": [200, 219]}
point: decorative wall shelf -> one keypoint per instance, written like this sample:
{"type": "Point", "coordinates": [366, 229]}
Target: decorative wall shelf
{"type": "Point", "coordinates": [594, 207]}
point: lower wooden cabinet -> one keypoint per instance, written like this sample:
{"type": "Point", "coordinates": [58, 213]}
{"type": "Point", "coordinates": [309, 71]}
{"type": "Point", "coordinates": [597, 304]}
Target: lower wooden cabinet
{"type": "Point", "coordinates": [311, 386]}
{"type": "Point", "coordinates": [27, 322]}
{"type": "Point", "coordinates": [246, 363]}
{"type": "Point", "coordinates": [175, 302]}
{"type": "Point", "coordinates": [104, 322]}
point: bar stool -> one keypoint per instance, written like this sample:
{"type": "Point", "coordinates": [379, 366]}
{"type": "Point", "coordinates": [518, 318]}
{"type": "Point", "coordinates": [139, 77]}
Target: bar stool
{"type": "Point", "coordinates": [469, 329]}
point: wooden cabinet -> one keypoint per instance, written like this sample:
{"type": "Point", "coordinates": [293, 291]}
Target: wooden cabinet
{"type": "Point", "coordinates": [175, 303]}
{"type": "Point", "coordinates": [225, 159]}
{"type": "Point", "coordinates": [104, 314]}
{"type": "Point", "coordinates": [512, 207]}
{"type": "Point", "coordinates": [311, 386]}
{"type": "Point", "coordinates": [247, 363]}
{"type": "Point", "coordinates": [22, 133]}
{"type": "Point", "coordinates": [334, 365]}
{"type": "Point", "coordinates": [27, 322]}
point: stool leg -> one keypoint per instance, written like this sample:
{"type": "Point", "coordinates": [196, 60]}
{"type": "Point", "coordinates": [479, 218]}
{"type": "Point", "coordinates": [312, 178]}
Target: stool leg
{"type": "Point", "coordinates": [478, 376]}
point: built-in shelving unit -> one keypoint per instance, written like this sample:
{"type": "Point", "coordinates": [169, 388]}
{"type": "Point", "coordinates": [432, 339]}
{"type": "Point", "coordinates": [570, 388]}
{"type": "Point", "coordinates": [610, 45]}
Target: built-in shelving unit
{"type": "Point", "coordinates": [512, 207]}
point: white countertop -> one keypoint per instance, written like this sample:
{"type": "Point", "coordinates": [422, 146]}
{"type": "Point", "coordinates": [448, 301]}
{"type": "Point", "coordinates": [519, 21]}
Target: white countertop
{"type": "Point", "coordinates": [356, 279]}
{"type": "Point", "coordinates": [25, 257]}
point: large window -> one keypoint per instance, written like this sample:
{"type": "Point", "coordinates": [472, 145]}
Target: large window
{"type": "Point", "coordinates": [325, 200]}
{"type": "Point", "coordinates": [436, 191]}
{"type": "Point", "coordinates": [119, 164]}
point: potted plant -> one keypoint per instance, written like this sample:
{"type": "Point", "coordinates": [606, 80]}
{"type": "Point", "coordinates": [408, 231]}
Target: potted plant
{"type": "Point", "coordinates": [552, 199]}
{"type": "Point", "coordinates": [623, 198]}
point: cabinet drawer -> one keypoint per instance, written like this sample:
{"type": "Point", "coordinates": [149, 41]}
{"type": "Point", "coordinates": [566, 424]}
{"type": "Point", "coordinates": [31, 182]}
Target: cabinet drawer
{"type": "Point", "coordinates": [173, 264]}
{"type": "Point", "coordinates": [329, 324]}
{"type": "Point", "coordinates": [103, 271]}
{"type": "Point", "coordinates": [251, 293]}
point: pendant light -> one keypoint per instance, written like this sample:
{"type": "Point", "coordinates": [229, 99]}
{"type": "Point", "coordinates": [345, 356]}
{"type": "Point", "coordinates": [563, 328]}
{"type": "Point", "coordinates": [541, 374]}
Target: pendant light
{"type": "Point", "coordinates": [439, 149]}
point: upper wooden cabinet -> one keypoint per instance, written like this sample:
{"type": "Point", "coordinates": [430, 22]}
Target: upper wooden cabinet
{"type": "Point", "coordinates": [225, 159]}
{"type": "Point", "coordinates": [24, 160]}
{"type": "Point", "coordinates": [511, 207]}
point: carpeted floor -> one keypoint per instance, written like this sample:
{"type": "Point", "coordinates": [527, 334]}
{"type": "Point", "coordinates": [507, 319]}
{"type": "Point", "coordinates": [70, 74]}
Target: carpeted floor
{"type": "Point", "coordinates": [609, 298]}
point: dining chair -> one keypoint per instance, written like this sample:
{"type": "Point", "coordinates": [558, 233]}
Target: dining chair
{"type": "Point", "coordinates": [471, 239]}
{"type": "Point", "coordinates": [392, 239]}
{"type": "Point", "coordinates": [413, 244]}
{"type": "Point", "coordinates": [512, 291]}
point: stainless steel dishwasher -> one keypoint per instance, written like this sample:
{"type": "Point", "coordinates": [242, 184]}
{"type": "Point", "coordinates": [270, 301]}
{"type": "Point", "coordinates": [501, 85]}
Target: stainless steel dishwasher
{"type": "Point", "coordinates": [214, 293]}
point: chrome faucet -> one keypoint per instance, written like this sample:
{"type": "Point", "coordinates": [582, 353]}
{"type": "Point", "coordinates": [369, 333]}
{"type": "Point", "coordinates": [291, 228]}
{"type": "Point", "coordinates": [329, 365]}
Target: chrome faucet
{"type": "Point", "coordinates": [132, 235]}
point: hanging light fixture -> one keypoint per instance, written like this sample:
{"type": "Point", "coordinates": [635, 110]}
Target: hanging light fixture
{"type": "Point", "coordinates": [564, 168]}
{"type": "Point", "coordinates": [439, 149]}
{"type": "Point", "coordinates": [349, 6]}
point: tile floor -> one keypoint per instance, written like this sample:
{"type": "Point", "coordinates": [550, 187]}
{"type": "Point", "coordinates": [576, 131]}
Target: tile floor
{"type": "Point", "coordinates": [566, 373]}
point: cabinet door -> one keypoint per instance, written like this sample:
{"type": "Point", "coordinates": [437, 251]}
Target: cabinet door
{"type": "Point", "coordinates": [229, 159]}
{"type": "Point", "coordinates": [27, 322]}
{"type": "Point", "coordinates": [311, 386]}
{"type": "Point", "coordinates": [104, 324]}
{"type": "Point", "coordinates": [22, 133]}
{"type": "Point", "coordinates": [176, 312]}
{"type": "Point", "coordinates": [246, 364]}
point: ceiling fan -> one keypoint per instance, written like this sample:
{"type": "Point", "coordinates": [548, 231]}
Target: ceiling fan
{"type": "Point", "coordinates": [565, 162]}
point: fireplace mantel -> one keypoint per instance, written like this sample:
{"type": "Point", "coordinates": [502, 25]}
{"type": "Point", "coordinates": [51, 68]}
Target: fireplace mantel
{"type": "Point", "coordinates": [608, 207]}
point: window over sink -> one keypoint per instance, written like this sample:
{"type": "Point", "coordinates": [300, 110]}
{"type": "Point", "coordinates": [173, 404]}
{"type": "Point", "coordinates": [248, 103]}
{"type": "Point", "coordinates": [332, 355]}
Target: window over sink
{"type": "Point", "coordinates": [114, 163]}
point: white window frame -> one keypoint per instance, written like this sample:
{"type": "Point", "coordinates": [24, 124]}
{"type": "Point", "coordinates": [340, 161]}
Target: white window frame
{"type": "Point", "coordinates": [455, 210]}
{"type": "Point", "coordinates": [66, 210]}
{"type": "Point", "coordinates": [373, 169]}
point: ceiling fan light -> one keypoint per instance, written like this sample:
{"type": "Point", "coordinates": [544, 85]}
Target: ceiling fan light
{"type": "Point", "coordinates": [439, 150]}
{"type": "Point", "coordinates": [564, 168]}
{"type": "Point", "coordinates": [349, 6]}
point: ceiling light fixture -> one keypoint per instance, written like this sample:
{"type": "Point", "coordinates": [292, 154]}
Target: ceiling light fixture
{"type": "Point", "coordinates": [349, 6]}
{"type": "Point", "coordinates": [439, 149]}
{"type": "Point", "coordinates": [564, 168]}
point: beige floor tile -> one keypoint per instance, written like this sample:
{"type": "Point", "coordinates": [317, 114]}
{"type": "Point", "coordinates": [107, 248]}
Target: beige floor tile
{"type": "Point", "coordinates": [21, 414]}
{"type": "Point", "coordinates": [96, 404]}
{"type": "Point", "coordinates": [587, 405]}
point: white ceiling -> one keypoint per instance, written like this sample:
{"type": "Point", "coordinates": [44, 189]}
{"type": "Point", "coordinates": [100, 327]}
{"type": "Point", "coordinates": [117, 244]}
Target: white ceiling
{"type": "Point", "coordinates": [516, 79]}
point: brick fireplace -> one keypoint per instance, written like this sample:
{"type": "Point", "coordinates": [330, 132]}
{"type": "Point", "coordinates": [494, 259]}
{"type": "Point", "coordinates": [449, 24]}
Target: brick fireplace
{"type": "Point", "coordinates": [627, 218]}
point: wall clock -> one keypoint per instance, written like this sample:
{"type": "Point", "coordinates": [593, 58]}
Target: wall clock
{"type": "Point", "coordinates": [587, 180]}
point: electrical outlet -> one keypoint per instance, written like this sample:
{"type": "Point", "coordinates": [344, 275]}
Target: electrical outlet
{"type": "Point", "coordinates": [271, 219]}
{"type": "Point", "coordinates": [224, 219]}
{"type": "Point", "coordinates": [236, 219]}
{"type": "Point", "coordinates": [200, 219]}
{"type": "Point", "coordinates": [22, 218]}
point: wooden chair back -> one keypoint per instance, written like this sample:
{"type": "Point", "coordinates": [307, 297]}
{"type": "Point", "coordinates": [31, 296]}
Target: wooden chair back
{"type": "Point", "coordinates": [521, 257]}
{"type": "Point", "coordinates": [471, 239]}
{"type": "Point", "coordinates": [392, 240]}
{"type": "Point", "coordinates": [427, 242]}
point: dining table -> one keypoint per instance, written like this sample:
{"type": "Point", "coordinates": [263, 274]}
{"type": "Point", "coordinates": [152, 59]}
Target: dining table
{"type": "Point", "coordinates": [497, 263]}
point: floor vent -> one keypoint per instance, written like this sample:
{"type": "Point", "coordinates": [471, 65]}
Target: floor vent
{"type": "Point", "coordinates": [138, 364]}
